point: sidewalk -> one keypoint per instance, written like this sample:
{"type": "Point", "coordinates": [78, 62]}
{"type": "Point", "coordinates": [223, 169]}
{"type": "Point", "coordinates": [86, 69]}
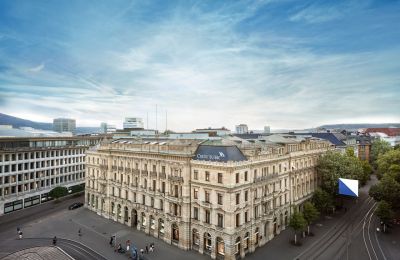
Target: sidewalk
{"type": "Point", "coordinates": [96, 233]}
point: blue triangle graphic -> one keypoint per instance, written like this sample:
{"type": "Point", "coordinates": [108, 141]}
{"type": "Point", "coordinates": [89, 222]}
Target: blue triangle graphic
{"type": "Point", "coordinates": [344, 190]}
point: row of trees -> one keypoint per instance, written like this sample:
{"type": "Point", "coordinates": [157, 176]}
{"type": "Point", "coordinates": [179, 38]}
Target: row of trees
{"type": "Point", "coordinates": [332, 166]}
{"type": "Point", "coordinates": [300, 220]}
{"type": "Point", "coordinates": [386, 160]}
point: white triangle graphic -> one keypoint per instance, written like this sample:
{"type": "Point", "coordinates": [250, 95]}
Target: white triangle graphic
{"type": "Point", "coordinates": [351, 184]}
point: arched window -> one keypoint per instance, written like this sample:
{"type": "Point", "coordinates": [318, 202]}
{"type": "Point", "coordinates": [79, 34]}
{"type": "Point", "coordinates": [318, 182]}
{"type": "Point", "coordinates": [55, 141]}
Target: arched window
{"type": "Point", "coordinates": [152, 223]}
{"type": "Point", "coordinates": [246, 241]}
{"type": "Point", "coordinates": [195, 237]}
{"type": "Point", "coordinates": [207, 242]}
{"type": "Point", "coordinates": [126, 214]}
{"type": "Point", "coordinates": [237, 246]}
{"type": "Point", "coordinates": [112, 208]}
{"type": "Point", "coordinates": [144, 220]}
{"type": "Point", "coordinates": [175, 232]}
{"type": "Point", "coordinates": [220, 246]}
{"type": "Point", "coordinates": [161, 227]}
{"type": "Point", "coordinates": [119, 211]}
{"type": "Point", "coordinates": [257, 235]}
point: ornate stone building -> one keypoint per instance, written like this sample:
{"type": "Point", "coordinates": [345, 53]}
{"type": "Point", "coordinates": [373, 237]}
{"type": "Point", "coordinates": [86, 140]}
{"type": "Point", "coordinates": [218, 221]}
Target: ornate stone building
{"type": "Point", "coordinates": [221, 197]}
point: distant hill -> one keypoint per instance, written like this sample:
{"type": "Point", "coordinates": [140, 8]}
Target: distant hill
{"type": "Point", "coordinates": [17, 122]}
{"type": "Point", "coordinates": [357, 126]}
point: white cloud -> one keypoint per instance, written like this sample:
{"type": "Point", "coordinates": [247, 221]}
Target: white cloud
{"type": "Point", "coordinates": [37, 68]}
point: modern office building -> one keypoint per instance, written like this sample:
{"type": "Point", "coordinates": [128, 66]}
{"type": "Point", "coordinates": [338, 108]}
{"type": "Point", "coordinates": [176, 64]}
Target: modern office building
{"type": "Point", "coordinates": [222, 197]}
{"type": "Point", "coordinates": [106, 128]}
{"type": "Point", "coordinates": [133, 122]}
{"type": "Point", "coordinates": [31, 166]}
{"type": "Point", "coordinates": [242, 129]}
{"type": "Point", "coordinates": [64, 125]}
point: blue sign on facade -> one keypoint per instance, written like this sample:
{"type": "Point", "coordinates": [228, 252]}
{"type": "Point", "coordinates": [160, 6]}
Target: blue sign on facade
{"type": "Point", "coordinates": [219, 153]}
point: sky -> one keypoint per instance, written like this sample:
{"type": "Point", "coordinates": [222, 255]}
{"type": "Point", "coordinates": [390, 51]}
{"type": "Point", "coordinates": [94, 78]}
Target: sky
{"type": "Point", "coordinates": [287, 64]}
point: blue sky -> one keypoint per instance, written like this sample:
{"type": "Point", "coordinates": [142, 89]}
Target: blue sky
{"type": "Point", "coordinates": [287, 64]}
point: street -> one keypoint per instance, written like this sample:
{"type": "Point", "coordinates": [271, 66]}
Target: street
{"type": "Point", "coordinates": [355, 228]}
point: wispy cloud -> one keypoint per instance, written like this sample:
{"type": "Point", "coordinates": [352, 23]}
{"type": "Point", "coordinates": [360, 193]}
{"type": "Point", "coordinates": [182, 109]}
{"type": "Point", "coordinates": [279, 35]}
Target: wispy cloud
{"type": "Point", "coordinates": [37, 68]}
{"type": "Point", "coordinates": [208, 64]}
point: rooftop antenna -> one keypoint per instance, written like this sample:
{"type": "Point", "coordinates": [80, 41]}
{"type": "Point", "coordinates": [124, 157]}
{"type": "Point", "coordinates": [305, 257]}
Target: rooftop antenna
{"type": "Point", "coordinates": [156, 118]}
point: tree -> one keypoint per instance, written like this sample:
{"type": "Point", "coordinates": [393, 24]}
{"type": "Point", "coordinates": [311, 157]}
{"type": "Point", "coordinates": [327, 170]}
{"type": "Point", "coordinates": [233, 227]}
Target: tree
{"type": "Point", "coordinates": [387, 160]}
{"type": "Point", "coordinates": [384, 212]}
{"type": "Point", "coordinates": [322, 200]}
{"type": "Point", "coordinates": [334, 165]}
{"type": "Point", "coordinates": [388, 189]}
{"type": "Point", "coordinates": [310, 214]}
{"type": "Point", "coordinates": [297, 222]}
{"type": "Point", "coordinates": [379, 147]}
{"type": "Point", "coordinates": [367, 170]}
{"type": "Point", "coordinates": [350, 152]}
{"type": "Point", "coordinates": [58, 192]}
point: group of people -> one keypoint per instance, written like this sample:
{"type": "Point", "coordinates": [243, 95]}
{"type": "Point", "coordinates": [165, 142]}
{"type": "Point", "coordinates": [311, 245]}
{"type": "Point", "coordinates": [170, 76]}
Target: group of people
{"type": "Point", "coordinates": [19, 233]}
{"type": "Point", "coordinates": [128, 248]}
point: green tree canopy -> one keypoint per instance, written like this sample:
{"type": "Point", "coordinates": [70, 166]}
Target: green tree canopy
{"type": "Point", "coordinates": [297, 222]}
{"type": "Point", "coordinates": [58, 192]}
{"type": "Point", "coordinates": [334, 165]}
{"type": "Point", "coordinates": [379, 147]}
{"type": "Point", "coordinates": [322, 200]}
{"type": "Point", "coordinates": [387, 160]}
{"type": "Point", "coordinates": [388, 189]}
{"type": "Point", "coordinates": [384, 212]}
{"type": "Point", "coordinates": [310, 214]}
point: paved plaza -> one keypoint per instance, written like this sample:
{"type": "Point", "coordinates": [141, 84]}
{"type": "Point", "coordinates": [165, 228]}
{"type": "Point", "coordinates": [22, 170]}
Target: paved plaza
{"type": "Point", "coordinates": [54, 219]}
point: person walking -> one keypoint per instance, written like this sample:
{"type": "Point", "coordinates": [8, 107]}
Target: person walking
{"type": "Point", "coordinates": [111, 240]}
{"type": "Point", "coordinates": [55, 240]}
{"type": "Point", "coordinates": [147, 249]}
{"type": "Point", "coordinates": [20, 234]}
{"type": "Point", "coordinates": [79, 232]}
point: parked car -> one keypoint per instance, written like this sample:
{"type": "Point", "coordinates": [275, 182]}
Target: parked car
{"type": "Point", "coordinates": [75, 205]}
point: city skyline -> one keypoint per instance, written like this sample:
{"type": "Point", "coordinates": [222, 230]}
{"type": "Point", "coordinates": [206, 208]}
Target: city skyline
{"type": "Point", "coordinates": [285, 64]}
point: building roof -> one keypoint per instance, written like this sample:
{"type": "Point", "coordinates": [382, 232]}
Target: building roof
{"type": "Point", "coordinates": [388, 131]}
{"type": "Point", "coordinates": [326, 136]}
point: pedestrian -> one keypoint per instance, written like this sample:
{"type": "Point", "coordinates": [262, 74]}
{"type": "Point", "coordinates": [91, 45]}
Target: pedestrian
{"type": "Point", "coordinates": [54, 240]}
{"type": "Point", "coordinates": [147, 249]}
{"type": "Point", "coordinates": [20, 234]}
{"type": "Point", "coordinates": [141, 251]}
{"type": "Point", "coordinates": [111, 240]}
{"type": "Point", "coordinates": [79, 233]}
{"type": "Point", "coordinates": [127, 247]}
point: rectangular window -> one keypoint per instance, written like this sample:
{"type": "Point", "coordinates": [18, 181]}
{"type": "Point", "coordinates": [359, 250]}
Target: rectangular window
{"type": "Point", "coordinates": [208, 217]}
{"type": "Point", "coordinates": [207, 176]}
{"type": "Point", "coordinates": [237, 198]}
{"type": "Point", "coordinates": [207, 196]}
{"type": "Point", "coordinates": [237, 222]}
{"type": "Point", "coordinates": [246, 216]}
{"type": "Point", "coordinates": [196, 213]}
{"type": "Point", "coordinates": [237, 177]}
{"type": "Point", "coordinates": [219, 198]}
{"type": "Point", "coordinates": [195, 175]}
{"type": "Point", "coordinates": [219, 177]}
{"type": "Point", "coordinates": [245, 176]}
{"type": "Point", "coordinates": [246, 195]}
{"type": "Point", "coordinates": [195, 193]}
{"type": "Point", "coordinates": [220, 220]}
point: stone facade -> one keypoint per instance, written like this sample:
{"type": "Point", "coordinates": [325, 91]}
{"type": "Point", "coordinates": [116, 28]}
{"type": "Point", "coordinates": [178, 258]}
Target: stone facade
{"type": "Point", "coordinates": [224, 209]}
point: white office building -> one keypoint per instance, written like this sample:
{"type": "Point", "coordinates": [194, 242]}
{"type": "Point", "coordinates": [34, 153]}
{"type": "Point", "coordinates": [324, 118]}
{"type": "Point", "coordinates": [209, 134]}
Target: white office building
{"type": "Point", "coordinates": [133, 122]}
{"type": "Point", "coordinates": [242, 129]}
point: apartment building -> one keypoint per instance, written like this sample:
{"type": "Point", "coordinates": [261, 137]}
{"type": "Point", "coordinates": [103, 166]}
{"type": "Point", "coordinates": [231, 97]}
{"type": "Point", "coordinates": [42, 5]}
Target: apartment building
{"type": "Point", "coordinates": [31, 166]}
{"type": "Point", "coordinates": [221, 197]}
